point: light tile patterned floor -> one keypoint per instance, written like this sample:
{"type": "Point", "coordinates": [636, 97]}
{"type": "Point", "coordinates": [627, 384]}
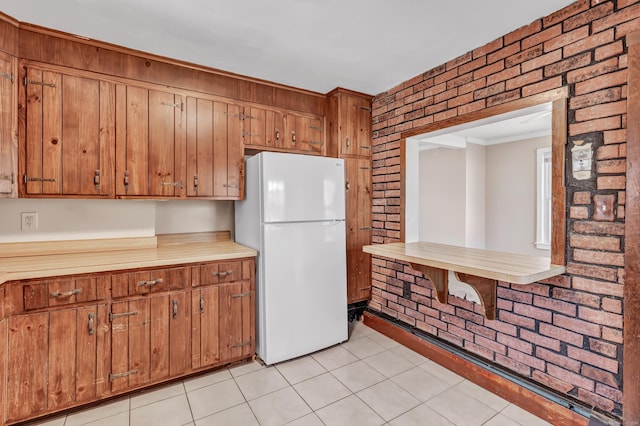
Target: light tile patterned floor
{"type": "Point", "coordinates": [369, 380]}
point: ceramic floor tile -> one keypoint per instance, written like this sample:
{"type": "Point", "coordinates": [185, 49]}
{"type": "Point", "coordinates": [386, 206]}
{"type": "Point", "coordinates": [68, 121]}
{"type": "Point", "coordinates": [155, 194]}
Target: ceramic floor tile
{"type": "Point", "coordinates": [412, 356]}
{"type": "Point", "coordinates": [363, 347]}
{"type": "Point", "coordinates": [102, 411]}
{"type": "Point", "coordinates": [300, 369]}
{"type": "Point", "coordinates": [155, 395]}
{"type": "Point", "coordinates": [522, 416]}
{"type": "Point", "coordinates": [261, 382]}
{"type": "Point", "coordinates": [419, 383]}
{"type": "Point", "coordinates": [460, 408]}
{"type": "Point", "coordinates": [207, 379]}
{"type": "Point", "coordinates": [502, 420]}
{"type": "Point", "coordinates": [120, 419]}
{"type": "Point", "coordinates": [349, 411]}
{"type": "Point", "coordinates": [51, 422]}
{"type": "Point", "coordinates": [388, 399]}
{"type": "Point", "coordinates": [441, 372]}
{"type": "Point", "coordinates": [308, 420]}
{"type": "Point", "coordinates": [420, 416]}
{"type": "Point", "coordinates": [247, 368]}
{"type": "Point", "coordinates": [388, 363]}
{"type": "Point", "coordinates": [279, 408]}
{"type": "Point", "coordinates": [240, 415]}
{"type": "Point", "coordinates": [217, 397]}
{"type": "Point", "coordinates": [358, 376]}
{"type": "Point", "coordinates": [334, 357]}
{"type": "Point", "coordinates": [172, 411]}
{"type": "Point", "coordinates": [322, 390]}
{"type": "Point", "coordinates": [358, 330]}
{"type": "Point", "coordinates": [481, 394]}
{"type": "Point", "coordinates": [384, 341]}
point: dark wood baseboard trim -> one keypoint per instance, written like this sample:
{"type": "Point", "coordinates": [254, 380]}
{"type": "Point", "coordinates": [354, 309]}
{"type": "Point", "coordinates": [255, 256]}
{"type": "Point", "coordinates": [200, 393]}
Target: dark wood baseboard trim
{"type": "Point", "coordinates": [512, 392]}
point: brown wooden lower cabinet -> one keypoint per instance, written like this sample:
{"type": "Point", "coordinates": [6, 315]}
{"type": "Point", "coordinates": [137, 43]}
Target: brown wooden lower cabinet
{"type": "Point", "coordinates": [64, 355]}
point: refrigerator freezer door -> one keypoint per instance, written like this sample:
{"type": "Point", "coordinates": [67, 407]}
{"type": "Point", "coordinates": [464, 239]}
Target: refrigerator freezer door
{"type": "Point", "coordinates": [303, 298]}
{"type": "Point", "coordinates": [298, 188]}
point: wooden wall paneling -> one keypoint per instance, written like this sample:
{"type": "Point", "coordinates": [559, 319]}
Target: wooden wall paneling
{"type": "Point", "coordinates": [54, 47]}
{"type": "Point", "coordinates": [8, 35]}
{"type": "Point", "coordinates": [352, 223]}
{"type": "Point", "coordinates": [365, 229]}
{"type": "Point", "coordinates": [631, 356]}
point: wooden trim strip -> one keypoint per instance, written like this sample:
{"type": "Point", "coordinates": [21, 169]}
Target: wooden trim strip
{"type": "Point", "coordinates": [631, 355]}
{"type": "Point", "coordinates": [512, 392]}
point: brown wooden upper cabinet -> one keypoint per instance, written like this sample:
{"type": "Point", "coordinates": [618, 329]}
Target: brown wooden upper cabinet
{"type": "Point", "coordinates": [282, 130]}
{"type": "Point", "coordinates": [8, 126]}
{"type": "Point", "coordinates": [150, 142]}
{"type": "Point", "coordinates": [215, 154]}
{"type": "Point", "coordinates": [68, 133]}
{"type": "Point", "coordinates": [350, 114]}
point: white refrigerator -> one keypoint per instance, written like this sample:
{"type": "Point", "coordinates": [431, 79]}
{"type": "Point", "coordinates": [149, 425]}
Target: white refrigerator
{"type": "Point", "coordinates": [293, 215]}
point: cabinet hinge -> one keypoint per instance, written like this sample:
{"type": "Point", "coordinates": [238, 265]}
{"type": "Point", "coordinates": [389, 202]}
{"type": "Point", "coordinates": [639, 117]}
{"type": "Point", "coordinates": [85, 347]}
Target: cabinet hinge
{"type": "Point", "coordinates": [170, 104]}
{"type": "Point", "coordinates": [245, 294]}
{"type": "Point", "coordinates": [7, 76]}
{"type": "Point", "coordinates": [113, 377]}
{"type": "Point", "coordinates": [250, 134]}
{"type": "Point", "coordinates": [26, 179]}
{"type": "Point", "coordinates": [365, 147]}
{"type": "Point", "coordinates": [10, 177]}
{"type": "Point", "coordinates": [113, 316]}
{"type": "Point", "coordinates": [26, 82]}
{"type": "Point", "coordinates": [239, 345]}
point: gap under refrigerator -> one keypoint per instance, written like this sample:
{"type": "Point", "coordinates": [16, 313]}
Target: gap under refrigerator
{"type": "Point", "coordinates": [293, 214]}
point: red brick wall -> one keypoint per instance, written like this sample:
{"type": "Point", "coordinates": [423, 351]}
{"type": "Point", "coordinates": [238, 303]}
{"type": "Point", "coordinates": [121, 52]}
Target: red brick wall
{"type": "Point", "coordinates": [566, 332]}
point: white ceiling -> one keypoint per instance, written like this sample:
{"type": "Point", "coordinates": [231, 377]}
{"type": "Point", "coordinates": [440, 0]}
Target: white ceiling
{"type": "Point", "coordinates": [363, 45]}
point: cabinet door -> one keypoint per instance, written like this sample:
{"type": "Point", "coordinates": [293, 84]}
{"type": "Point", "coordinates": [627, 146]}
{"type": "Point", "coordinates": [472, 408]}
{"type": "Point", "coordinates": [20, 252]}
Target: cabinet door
{"type": "Point", "coordinates": [150, 143]}
{"type": "Point", "coordinates": [358, 223]}
{"type": "Point", "coordinates": [130, 344]}
{"type": "Point", "coordinates": [215, 161]}
{"type": "Point", "coordinates": [67, 351]}
{"type": "Point", "coordinates": [205, 336]}
{"type": "Point", "coordinates": [237, 314]}
{"type": "Point", "coordinates": [69, 127]}
{"type": "Point", "coordinates": [8, 132]}
{"type": "Point", "coordinates": [169, 355]}
{"type": "Point", "coordinates": [354, 125]}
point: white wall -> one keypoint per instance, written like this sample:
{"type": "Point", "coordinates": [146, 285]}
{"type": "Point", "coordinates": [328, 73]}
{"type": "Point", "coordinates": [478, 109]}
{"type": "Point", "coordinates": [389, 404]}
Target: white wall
{"type": "Point", "coordinates": [511, 196]}
{"type": "Point", "coordinates": [442, 212]}
{"type": "Point", "coordinates": [89, 219]}
{"type": "Point", "coordinates": [475, 232]}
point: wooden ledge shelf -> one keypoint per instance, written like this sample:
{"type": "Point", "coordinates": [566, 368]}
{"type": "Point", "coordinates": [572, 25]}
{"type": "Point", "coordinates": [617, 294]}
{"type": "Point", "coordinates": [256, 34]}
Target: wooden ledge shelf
{"type": "Point", "coordinates": [480, 269]}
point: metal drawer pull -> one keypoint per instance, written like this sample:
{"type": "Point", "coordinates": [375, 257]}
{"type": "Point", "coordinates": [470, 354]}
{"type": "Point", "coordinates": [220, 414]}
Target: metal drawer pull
{"type": "Point", "coordinates": [178, 184]}
{"type": "Point", "coordinates": [231, 186]}
{"type": "Point", "coordinates": [113, 377]}
{"type": "Point", "coordinates": [235, 296]}
{"type": "Point", "coordinates": [222, 274]}
{"type": "Point", "coordinates": [27, 179]}
{"type": "Point", "coordinates": [202, 304]}
{"type": "Point", "coordinates": [92, 329]}
{"type": "Point", "coordinates": [239, 345]}
{"type": "Point", "coordinates": [365, 147]}
{"type": "Point", "coordinates": [315, 143]}
{"type": "Point", "coordinates": [175, 309]}
{"type": "Point", "coordinates": [73, 292]}
{"type": "Point", "coordinates": [113, 316]}
{"type": "Point", "coordinates": [150, 282]}
{"type": "Point", "coordinates": [10, 177]}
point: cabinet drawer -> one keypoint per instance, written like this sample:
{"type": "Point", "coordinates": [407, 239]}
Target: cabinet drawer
{"type": "Point", "coordinates": [221, 272]}
{"type": "Point", "coordinates": [58, 292]}
{"type": "Point", "coordinates": [149, 281]}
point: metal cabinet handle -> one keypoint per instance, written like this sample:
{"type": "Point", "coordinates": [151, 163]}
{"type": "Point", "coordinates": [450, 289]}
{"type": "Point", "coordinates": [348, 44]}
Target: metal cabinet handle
{"type": "Point", "coordinates": [92, 329]}
{"type": "Point", "coordinates": [348, 143]}
{"type": "Point", "coordinates": [126, 178]}
{"type": "Point", "coordinates": [73, 292]}
{"type": "Point", "coordinates": [175, 309]}
{"type": "Point", "coordinates": [293, 137]}
{"type": "Point", "coordinates": [202, 304]}
{"type": "Point", "coordinates": [238, 295]}
{"type": "Point", "coordinates": [150, 282]}
{"type": "Point", "coordinates": [96, 177]}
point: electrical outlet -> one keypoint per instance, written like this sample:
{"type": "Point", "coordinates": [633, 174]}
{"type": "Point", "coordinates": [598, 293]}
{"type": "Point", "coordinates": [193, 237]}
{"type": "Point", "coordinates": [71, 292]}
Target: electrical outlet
{"type": "Point", "coordinates": [29, 221]}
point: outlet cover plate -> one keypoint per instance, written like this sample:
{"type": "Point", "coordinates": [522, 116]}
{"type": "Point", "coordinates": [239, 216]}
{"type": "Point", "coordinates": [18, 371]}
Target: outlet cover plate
{"type": "Point", "coordinates": [29, 221]}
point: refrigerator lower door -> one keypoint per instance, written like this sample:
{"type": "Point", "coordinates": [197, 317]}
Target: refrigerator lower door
{"type": "Point", "coordinates": [302, 296]}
